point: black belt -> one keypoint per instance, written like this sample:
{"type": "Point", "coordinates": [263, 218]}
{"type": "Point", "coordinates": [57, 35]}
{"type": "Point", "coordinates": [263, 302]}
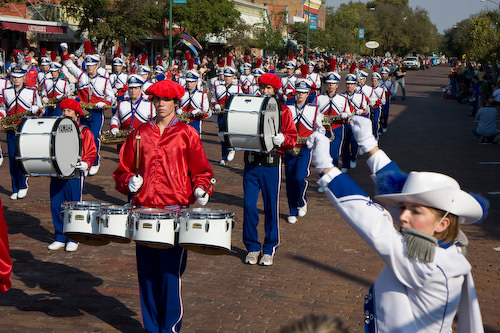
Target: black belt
{"type": "Point", "coordinates": [262, 159]}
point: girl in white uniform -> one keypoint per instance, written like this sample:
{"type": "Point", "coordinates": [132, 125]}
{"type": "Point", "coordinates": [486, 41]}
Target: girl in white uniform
{"type": "Point", "coordinates": [426, 277]}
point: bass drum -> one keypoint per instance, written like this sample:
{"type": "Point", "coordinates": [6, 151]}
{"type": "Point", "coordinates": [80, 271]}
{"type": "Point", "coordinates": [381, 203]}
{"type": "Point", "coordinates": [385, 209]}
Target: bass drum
{"type": "Point", "coordinates": [48, 146]}
{"type": "Point", "coordinates": [206, 231]}
{"type": "Point", "coordinates": [249, 122]}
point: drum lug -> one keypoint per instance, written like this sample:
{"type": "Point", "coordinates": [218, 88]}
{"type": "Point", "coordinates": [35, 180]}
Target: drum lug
{"type": "Point", "coordinates": [157, 226]}
{"type": "Point", "coordinates": [106, 224]}
{"type": "Point", "coordinates": [177, 225]}
{"type": "Point", "coordinates": [207, 225]}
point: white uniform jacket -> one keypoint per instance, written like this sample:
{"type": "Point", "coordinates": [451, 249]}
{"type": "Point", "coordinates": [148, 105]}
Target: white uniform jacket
{"type": "Point", "coordinates": [41, 77]}
{"type": "Point", "coordinates": [359, 103]}
{"type": "Point", "coordinates": [307, 119]}
{"type": "Point", "coordinates": [195, 102]}
{"type": "Point", "coordinates": [409, 295]}
{"type": "Point", "coordinates": [316, 80]}
{"type": "Point", "coordinates": [20, 101]}
{"type": "Point", "coordinates": [118, 81]}
{"type": "Point", "coordinates": [368, 92]}
{"type": "Point", "coordinates": [246, 81]}
{"type": "Point", "coordinates": [288, 87]}
{"type": "Point", "coordinates": [130, 115]}
{"type": "Point", "coordinates": [55, 88]}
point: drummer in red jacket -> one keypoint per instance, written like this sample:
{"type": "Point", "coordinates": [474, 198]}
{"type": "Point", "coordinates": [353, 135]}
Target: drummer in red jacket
{"type": "Point", "coordinates": [70, 189]}
{"type": "Point", "coordinates": [173, 172]}
{"type": "Point", "coordinates": [5, 261]}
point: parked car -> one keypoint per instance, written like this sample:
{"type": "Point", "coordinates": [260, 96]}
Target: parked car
{"type": "Point", "coordinates": [411, 63]}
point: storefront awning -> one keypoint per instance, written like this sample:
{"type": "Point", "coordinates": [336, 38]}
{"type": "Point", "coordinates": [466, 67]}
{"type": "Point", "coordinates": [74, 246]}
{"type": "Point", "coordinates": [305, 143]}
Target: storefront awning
{"type": "Point", "coordinates": [43, 27]}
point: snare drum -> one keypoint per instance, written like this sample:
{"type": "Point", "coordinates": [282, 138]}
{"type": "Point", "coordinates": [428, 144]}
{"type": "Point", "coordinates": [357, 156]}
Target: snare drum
{"type": "Point", "coordinates": [80, 222]}
{"type": "Point", "coordinates": [114, 223]}
{"type": "Point", "coordinates": [250, 122]}
{"type": "Point", "coordinates": [154, 227]}
{"type": "Point", "coordinates": [48, 146]}
{"type": "Point", "coordinates": [206, 231]}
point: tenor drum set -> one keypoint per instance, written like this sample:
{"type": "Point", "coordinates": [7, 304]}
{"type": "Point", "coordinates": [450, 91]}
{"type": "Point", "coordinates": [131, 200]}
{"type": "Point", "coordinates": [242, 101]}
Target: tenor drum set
{"type": "Point", "coordinates": [202, 230]}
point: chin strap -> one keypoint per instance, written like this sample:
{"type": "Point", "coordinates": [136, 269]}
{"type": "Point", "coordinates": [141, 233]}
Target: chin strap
{"type": "Point", "coordinates": [419, 245]}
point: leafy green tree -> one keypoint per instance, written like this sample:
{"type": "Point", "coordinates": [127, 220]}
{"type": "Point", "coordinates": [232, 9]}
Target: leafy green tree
{"type": "Point", "coordinates": [481, 40]}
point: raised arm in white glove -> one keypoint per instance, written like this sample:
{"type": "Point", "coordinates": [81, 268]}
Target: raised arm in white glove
{"type": "Point", "coordinates": [64, 46]}
{"type": "Point", "coordinates": [100, 105]}
{"type": "Point", "coordinates": [114, 130]}
{"type": "Point", "coordinates": [362, 131]}
{"type": "Point", "coordinates": [34, 109]}
{"type": "Point", "coordinates": [320, 146]}
{"type": "Point", "coordinates": [201, 196]}
{"type": "Point", "coordinates": [135, 183]}
{"type": "Point", "coordinates": [278, 139]}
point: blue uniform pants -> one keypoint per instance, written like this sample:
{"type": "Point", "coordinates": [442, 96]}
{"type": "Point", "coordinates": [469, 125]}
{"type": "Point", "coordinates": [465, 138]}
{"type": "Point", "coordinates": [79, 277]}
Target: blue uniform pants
{"type": "Point", "coordinates": [223, 146]}
{"type": "Point", "coordinates": [268, 180]}
{"type": "Point", "coordinates": [53, 112]}
{"type": "Point", "coordinates": [336, 143]}
{"type": "Point", "coordinates": [297, 169]}
{"type": "Point", "coordinates": [349, 147]}
{"type": "Point", "coordinates": [18, 179]}
{"type": "Point", "coordinates": [375, 118]}
{"type": "Point", "coordinates": [196, 124]}
{"type": "Point", "coordinates": [385, 113]}
{"type": "Point", "coordinates": [62, 190]}
{"type": "Point", "coordinates": [94, 123]}
{"type": "Point", "coordinates": [159, 272]}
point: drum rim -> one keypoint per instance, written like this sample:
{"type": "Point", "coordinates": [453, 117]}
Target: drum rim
{"type": "Point", "coordinates": [200, 212]}
{"type": "Point", "coordinates": [115, 208]}
{"type": "Point", "coordinates": [85, 204]}
{"type": "Point", "coordinates": [153, 212]}
{"type": "Point", "coordinates": [53, 145]}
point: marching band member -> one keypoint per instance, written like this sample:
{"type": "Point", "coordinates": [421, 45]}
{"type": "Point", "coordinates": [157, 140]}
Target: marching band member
{"type": "Point", "coordinates": [70, 189]}
{"type": "Point", "coordinates": [18, 99]}
{"type": "Point", "coordinates": [288, 84]}
{"type": "Point", "coordinates": [316, 82]}
{"type": "Point", "coordinates": [118, 79]}
{"type": "Point", "coordinates": [194, 104]}
{"type": "Point", "coordinates": [387, 83]}
{"type": "Point", "coordinates": [262, 172]}
{"type": "Point", "coordinates": [379, 93]}
{"type": "Point", "coordinates": [426, 277]}
{"type": "Point", "coordinates": [183, 79]}
{"type": "Point", "coordinates": [4, 83]}
{"type": "Point", "coordinates": [159, 73]}
{"type": "Point", "coordinates": [44, 72]}
{"type": "Point", "coordinates": [331, 104]}
{"type": "Point", "coordinates": [92, 88]}
{"type": "Point", "coordinates": [297, 160]}
{"type": "Point", "coordinates": [246, 79]}
{"type": "Point", "coordinates": [215, 81]}
{"type": "Point", "coordinates": [5, 260]}
{"type": "Point", "coordinates": [359, 105]}
{"type": "Point", "coordinates": [134, 110]}
{"type": "Point", "coordinates": [221, 93]}
{"type": "Point", "coordinates": [55, 88]}
{"type": "Point", "coordinates": [254, 89]}
{"type": "Point", "coordinates": [367, 91]}
{"type": "Point", "coordinates": [174, 172]}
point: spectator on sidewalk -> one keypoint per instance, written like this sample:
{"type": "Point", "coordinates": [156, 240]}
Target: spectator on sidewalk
{"type": "Point", "coordinates": [399, 81]}
{"type": "Point", "coordinates": [486, 129]}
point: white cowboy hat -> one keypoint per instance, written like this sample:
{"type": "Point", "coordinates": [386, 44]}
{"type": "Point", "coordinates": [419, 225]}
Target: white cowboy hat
{"type": "Point", "coordinates": [438, 191]}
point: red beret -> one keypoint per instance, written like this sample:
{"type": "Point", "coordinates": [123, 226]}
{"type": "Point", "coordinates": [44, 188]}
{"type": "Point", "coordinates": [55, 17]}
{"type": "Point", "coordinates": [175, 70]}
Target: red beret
{"type": "Point", "coordinates": [270, 79]}
{"type": "Point", "coordinates": [166, 89]}
{"type": "Point", "coordinates": [72, 104]}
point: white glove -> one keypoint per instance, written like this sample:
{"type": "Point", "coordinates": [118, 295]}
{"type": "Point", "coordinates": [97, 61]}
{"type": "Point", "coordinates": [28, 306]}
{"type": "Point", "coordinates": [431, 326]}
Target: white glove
{"type": "Point", "coordinates": [114, 130]}
{"type": "Point", "coordinates": [221, 136]}
{"type": "Point", "coordinates": [362, 131]}
{"type": "Point", "coordinates": [178, 111]}
{"type": "Point", "coordinates": [344, 115]}
{"type": "Point", "coordinates": [34, 109]}
{"type": "Point", "coordinates": [64, 46]}
{"type": "Point", "coordinates": [321, 157]}
{"type": "Point", "coordinates": [201, 197]}
{"type": "Point", "coordinates": [217, 107]}
{"type": "Point", "coordinates": [45, 100]}
{"type": "Point", "coordinates": [82, 166]}
{"type": "Point", "coordinates": [135, 183]}
{"type": "Point", "coordinates": [100, 105]}
{"type": "Point", "coordinates": [195, 112]}
{"type": "Point", "coordinates": [360, 112]}
{"type": "Point", "coordinates": [278, 139]}
{"type": "Point", "coordinates": [209, 113]}
{"type": "Point", "coordinates": [1, 158]}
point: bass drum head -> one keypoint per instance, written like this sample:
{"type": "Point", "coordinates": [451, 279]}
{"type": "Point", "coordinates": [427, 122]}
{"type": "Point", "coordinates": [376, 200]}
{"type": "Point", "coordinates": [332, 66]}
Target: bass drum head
{"type": "Point", "coordinates": [66, 146]}
{"type": "Point", "coordinates": [270, 122]}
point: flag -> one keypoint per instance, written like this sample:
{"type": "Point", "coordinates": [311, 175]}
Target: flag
{"type": "Point", "coordinates": [191, 40]}
{"type": "Point", "coordinates": [191, 47]}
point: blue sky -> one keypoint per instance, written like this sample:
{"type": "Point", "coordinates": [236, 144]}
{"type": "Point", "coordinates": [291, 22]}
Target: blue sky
{"type": "Point", "coordinates": [443, 13]}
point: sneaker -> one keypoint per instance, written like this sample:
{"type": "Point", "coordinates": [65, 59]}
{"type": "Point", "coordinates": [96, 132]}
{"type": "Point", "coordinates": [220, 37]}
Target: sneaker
{"type": "Point", "coordinates": [71, 247]}
{"type": "Point", "coordinates": [303, 210]}
{"type": "Point", "coordinates": [55, 246]}
{"type": "Point", "coordinates": [291, 219]}
{"type": "Point", "coordinates": [352, 164]}
{"type": "Point", "coordinates": [252, 258]}
{"type": "Point", "coordinates": [93, 170]}
{"type": "Point", "coordinates": [230, 155]}
{"type": "Point", "coordinates": [344, 170]}
{"type": "Point", "coordinates": [266, 260]}
{"type": "Point", "coordinates": [384, 130]}
{"type": "Point", "coordinates": [321, 190]}
{"type": "Point", "coordinates": [13, 196]}
{"type": "Point", "coordinates": [222, 163]}
{"type": "Point", "coordinates": [22, 193]}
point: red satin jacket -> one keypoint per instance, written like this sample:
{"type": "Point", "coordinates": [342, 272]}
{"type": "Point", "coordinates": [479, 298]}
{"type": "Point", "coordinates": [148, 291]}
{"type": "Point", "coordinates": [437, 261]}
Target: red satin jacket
{"type": "Point", "coordinates": [5, 261]}
{"type": "Point", "coordinates": [89, 149]}
{"type": "Point", "coordinates": [288, 129]}
{"type": "Point", "coordinates": [172, 165]}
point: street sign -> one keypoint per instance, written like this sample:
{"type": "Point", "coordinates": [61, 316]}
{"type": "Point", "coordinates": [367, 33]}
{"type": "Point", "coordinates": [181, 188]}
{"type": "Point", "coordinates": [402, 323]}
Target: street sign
{"type": "Point", "coordinates": [372, 44]}
{"type": "Point", "coordinates": [361, 33]}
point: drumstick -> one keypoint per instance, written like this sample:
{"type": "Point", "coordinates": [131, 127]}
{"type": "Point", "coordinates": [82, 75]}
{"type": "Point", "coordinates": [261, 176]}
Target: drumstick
{"type": "Point", "coordinates": [212, 181]}
{"type": "Point", "coordinates": [274, 126]}
{"type": "Point", "coordinates": [138, 138]}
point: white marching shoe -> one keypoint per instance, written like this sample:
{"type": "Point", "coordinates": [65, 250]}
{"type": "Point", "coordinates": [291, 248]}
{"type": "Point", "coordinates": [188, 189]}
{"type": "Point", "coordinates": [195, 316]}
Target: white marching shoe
{"type": "Point", "coordinates": [13, 196]}
{"type": "Point", "coordinates": [93, 170]}
{"type": "Point", "coordinates": [321, 189]}
{"type": "Point", "coordinates": [352, 164]}
{"type": "Point", "coordinates": [291, 219]}
{"type": "Point", "coordinates": [22, 193]}
{"type": "Point", "coordinates": [303, 210]}
{"type": "Point", "coordinates": [230, 155]}
{"type": "Point", "coordinates": [71, 247]}
{"type": "Point", "coordinates": [55, 246]}
{"type": "Point", "coordinates": [344, 170]}
{"type": "Point", "coordinates": [222, 163]}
